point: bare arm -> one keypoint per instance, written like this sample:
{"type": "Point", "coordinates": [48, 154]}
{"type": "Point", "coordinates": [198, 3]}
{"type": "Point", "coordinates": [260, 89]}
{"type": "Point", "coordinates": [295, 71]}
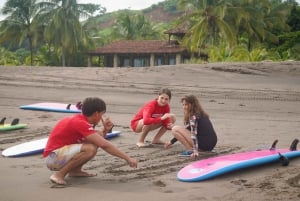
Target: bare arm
{"type": "Point", "coordinates": [99, 141]}
{"type": "Point", "coordinates": [194, 129]}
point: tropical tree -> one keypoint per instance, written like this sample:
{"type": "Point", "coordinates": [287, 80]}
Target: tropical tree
{"type": "Point", "coordinates": [258, 20]}
{"type": "Point", "coordinates": [63, 27]}
{"type": "Point", "coordinates": [219, 24]}
{"type": "Point", "coordinates": [21, 24]}
{"type": "Point", "coordinates": [289, 45]}
{"type": "Point", "coordinates": [294, 18]}
{"type": "Point", "coordinates": [133, 27]}
{"type": "Point", "coordinates": [206, 23]}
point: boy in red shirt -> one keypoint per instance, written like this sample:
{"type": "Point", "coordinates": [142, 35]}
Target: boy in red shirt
{"type": "Point", "coordinates": [74, 141]}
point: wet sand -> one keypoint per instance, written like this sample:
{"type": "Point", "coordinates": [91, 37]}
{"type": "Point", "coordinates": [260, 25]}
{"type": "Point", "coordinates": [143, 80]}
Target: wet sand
{"type": "Point", "coordinates": [250, 105]}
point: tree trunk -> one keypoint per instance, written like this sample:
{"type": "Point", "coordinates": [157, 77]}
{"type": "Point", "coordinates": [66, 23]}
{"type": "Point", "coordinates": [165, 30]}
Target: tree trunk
{"type": "Point", "coordinates": [31, 51]}
{"type": "Point", "coordinates": [63, 57]}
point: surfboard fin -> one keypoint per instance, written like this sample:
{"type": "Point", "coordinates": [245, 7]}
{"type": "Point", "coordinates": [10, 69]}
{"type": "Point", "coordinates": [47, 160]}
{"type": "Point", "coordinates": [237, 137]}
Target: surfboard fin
{"type": "Point", "coordinates": [2, 121]}
{"type": "Point", "coordinates": [68, 106]}
{"type": "Point", "coordinates": [15, 121]}
{"type": "Point", "coordinates": [273, 147]}
{"type": "Point", "coordinates": [79, 105]}
{"type": "Point", "coordinates": [293, 146]}
{"type": "Point", "coordinates": [283, 159]}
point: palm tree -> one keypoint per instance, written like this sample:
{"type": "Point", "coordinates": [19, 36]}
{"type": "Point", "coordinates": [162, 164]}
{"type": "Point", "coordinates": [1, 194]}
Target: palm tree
{"type": "Point", "coordinates": [207, 24]}
{"type": "Point", "coordinates": [259, 19]}
{"type": "Point", "coordinates": [63, 27]}
{"type": "Point", "coordinates": [294, 18]}
{"type": "Point", "coordinates": [133, 27]}
{"type": "Point", "coordinates": [22, 24]}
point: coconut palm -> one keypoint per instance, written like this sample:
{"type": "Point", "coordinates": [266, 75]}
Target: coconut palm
{"type": "Point", "coordinates": [206, 22]}
{"type": "Point", "coordinates": [259, 20]}
{"type": "Point", "coordinates": [63, 27]}
{"type": "Point", "coordinates": [21, 24]}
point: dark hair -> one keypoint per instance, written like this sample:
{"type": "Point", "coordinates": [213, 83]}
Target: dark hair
{"type": "Point", "coordinates": [196, 108]}
{"type": "Point", "coordinates": [91, 105]}
{"type": "Point", "coordinates": [165, 91]}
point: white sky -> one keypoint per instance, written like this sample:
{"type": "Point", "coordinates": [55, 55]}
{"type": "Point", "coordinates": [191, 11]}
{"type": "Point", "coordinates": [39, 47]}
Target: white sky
{"type": "Point", "coordinates": [113, 5]}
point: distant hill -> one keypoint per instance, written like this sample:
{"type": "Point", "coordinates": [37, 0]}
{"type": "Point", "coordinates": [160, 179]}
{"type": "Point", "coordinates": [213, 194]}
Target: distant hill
{"type": "Point", "coordinates": [157, 13]}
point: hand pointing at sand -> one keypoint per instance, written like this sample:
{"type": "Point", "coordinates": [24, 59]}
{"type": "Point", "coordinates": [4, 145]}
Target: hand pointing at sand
{"type": "Point", "coordinates": [132, 162]}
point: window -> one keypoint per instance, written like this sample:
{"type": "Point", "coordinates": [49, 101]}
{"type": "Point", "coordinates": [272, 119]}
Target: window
{"type": "Point", "coordinates": [172, 60]}
{"type": "Point", "coordinates": [126, 62]}
{"type": "Point", "coordinates": [141, 62]}
{"type": "Point", "coordinates": [159, 61]}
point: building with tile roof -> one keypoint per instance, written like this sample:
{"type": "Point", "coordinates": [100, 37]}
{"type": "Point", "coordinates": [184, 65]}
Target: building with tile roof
{"type": "Point", "coordinates": [140, 53]}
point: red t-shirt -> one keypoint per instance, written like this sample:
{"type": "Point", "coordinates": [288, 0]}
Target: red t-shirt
{"type": "Point", "coordinates": [69, 130]}
{"type": "Point", "coordinates": [151, 113]}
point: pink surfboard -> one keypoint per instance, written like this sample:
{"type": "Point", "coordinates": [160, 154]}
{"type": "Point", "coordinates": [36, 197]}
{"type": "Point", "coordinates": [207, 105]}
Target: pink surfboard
{"type": "Point", "coordinates": [215, 166]}
{"type": "Point", "coordinates": [52, 107]}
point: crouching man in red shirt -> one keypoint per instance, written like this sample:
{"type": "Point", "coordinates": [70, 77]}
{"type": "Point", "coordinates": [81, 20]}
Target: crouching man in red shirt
{"type": "Point", "coordinates": [74, 141]}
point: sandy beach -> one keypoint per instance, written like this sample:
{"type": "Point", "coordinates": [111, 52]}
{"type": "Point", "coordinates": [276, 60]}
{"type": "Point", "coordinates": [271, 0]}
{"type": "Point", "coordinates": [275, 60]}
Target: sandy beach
{"type": "Point", "coordinates": [250, 105]}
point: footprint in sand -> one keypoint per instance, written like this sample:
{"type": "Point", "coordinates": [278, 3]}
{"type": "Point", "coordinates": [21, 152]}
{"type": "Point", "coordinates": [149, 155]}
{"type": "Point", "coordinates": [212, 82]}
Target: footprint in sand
{"type": "Point", "coordinates": [159, 183]}
{"type": "Point", "coordinates": [294, 181]}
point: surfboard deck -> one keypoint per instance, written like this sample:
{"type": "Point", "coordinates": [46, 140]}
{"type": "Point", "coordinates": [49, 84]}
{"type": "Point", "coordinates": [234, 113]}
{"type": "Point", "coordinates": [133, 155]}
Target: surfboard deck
{"type": "Point", "coordinates": [9, 127]}
{"type": "Point", "coordinates": [52, 107]}
{"type": "Point", "coordinates": [38, 146]}
{"type": "Point", "coordinates": [209, 168]}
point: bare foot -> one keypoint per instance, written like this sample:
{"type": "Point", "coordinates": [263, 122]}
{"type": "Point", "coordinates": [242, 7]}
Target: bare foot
{"type": "Point", "coordinates": [82, 174]}
{"type": "Point", "coordinates": [143, 145]}
{"type": "Point", "coordinates": [55, 179]}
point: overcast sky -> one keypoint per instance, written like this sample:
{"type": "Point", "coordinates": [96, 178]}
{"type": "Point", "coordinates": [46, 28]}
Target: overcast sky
{"type": "Point", "coordinates": [113, 5]}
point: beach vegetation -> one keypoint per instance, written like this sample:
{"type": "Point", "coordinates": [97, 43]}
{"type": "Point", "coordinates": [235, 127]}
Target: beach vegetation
{"type": "Point", "coordinates": [8, 58]}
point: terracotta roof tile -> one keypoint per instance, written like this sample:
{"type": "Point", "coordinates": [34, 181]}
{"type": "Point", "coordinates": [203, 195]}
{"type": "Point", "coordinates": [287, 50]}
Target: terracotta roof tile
{"type": "Point", "coordinates": [138, 47]}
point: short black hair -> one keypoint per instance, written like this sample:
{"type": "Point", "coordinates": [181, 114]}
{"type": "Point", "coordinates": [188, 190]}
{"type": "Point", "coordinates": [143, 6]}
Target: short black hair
{"type": "Point", "coordinates": [91, 105]}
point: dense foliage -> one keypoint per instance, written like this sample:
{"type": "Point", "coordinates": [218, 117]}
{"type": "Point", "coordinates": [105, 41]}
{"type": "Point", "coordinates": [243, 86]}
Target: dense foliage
{"type": "Point", "coordinates": [59, 32]}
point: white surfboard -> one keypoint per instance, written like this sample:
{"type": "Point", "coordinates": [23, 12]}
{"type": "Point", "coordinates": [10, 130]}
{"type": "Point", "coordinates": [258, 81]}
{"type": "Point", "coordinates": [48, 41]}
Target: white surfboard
{"type": "Point", "coordinates": [26, 149]}
{"type": "Point", "coordinates": [52, 107]}
{"type": "Point", "coordinates": [37, 146]}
